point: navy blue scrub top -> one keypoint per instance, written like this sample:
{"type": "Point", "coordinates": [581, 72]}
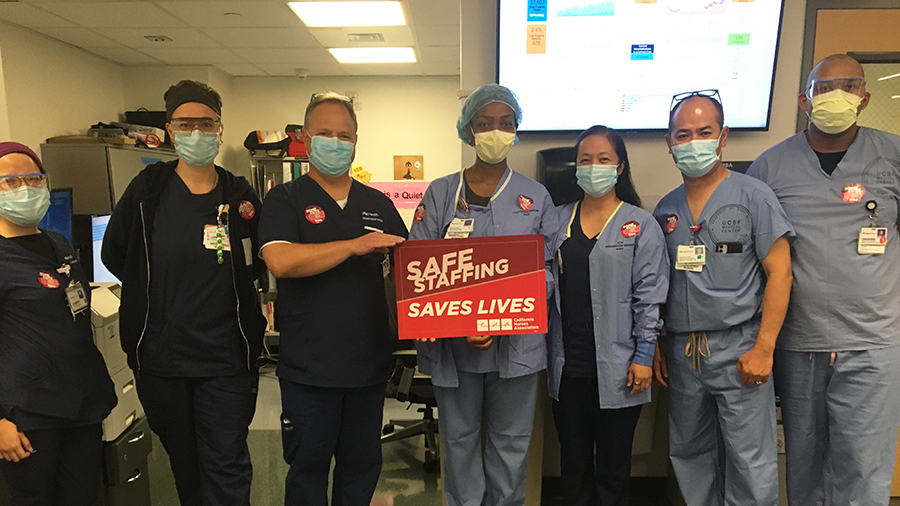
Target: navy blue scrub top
{"type": "Point", "coordinates": [575, 303]}
{"type": "Point", "coordinates": [192, 330]}
{"type": "Point", "coordinates": [334, 325]}
{"type": "Point", "coordinates": [51, 373]}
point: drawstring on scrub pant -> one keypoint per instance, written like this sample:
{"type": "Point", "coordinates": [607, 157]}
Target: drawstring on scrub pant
{"type": "Point", "coordinates": [694, 349]}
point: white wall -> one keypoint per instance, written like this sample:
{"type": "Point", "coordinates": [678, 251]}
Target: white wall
{"type": "Point", "coordinates": [4, 113]}
{"type": "Point", "coordinates": [653, 171]}
{"type": "Point", "coordinates": [53, 89]}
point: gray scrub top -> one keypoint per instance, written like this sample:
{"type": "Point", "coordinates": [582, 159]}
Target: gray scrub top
{"type": "Point", "coordinates": [840, 300]}
{"type": "Point", "coordinates": [743, 215]}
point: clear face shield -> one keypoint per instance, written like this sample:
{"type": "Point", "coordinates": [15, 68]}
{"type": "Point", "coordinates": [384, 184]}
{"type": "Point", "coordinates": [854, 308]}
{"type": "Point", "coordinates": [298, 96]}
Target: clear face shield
{"type": "Point", "coordinates": [852, 85]}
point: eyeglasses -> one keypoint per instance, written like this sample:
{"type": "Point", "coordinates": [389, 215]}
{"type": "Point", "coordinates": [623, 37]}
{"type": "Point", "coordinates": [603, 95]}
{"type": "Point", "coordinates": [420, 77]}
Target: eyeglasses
{"type": "Point", "coordinates": [852, 85]}
{"type": "Point", "coordinates": [681, 97]}
{"type": "Point", "coordinates": [13, 181]}
{"type": "Point", "coordinates": [206, 125]}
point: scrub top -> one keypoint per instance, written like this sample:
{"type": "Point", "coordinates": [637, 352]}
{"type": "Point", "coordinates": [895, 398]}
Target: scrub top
{"type": "Point", "coordinates": [739, 223]}
{"type": "Point", "coordinates": [519, 205]}
{"type": "Point", "coordinates": [841, 300]}
{"type": "Point", "coordinates": [51, 373]}
{"type": "Point", "coordinates": [629, 276]}
{"type": "Point", "coordinates": [334, 325]}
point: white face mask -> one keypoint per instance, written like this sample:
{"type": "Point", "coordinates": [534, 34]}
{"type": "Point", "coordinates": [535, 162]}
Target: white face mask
{"type": "Point", "coordinates": [835, 111]}
{"type": "Point", "coordinates": [492, 147]}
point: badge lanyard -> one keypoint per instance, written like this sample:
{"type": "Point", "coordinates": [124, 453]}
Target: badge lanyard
{"type": "Point", "coordinates": [75, 294]}
{"type": "Point", "coordinates": [872, 239]}
{"type": "Point", "coordinates": [691, 258]}
{"type": "Point", "coordinates": [221, 232]}
{"type": "Point", "coordinates": [461, 203]}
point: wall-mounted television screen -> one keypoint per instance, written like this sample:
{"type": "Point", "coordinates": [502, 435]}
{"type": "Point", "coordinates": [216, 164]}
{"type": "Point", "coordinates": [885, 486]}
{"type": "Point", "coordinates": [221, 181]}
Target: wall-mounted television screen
{"type": "Point", "coordinates": [576, 63]}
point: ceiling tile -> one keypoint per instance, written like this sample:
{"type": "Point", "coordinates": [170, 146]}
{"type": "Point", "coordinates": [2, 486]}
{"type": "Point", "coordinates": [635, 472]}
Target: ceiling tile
{"type": "Point", "coordinates": [181, 37]}
{"type": "Point", "coordinates": [113, 14]}
{"type": "Point", "coordinates": [315, 69]}
{"type": "Point", "coordinates": [440, 69]}
{"type": "Point", "coordinates": [30, 16]}
{"type": "Point", "coordinates": [213, 14]}
{"type": "Point", "coordinates": [80, 37]}
{"type": "Point", "coordinates": [394, 36]}
{"type": "Point", "coordinates": [193, 56]}
{"type": "Point", "coordinates": [383, 69]}
{"type": "Point", "coordinates": [434, 12]}
{"type": "Point", "coordinates": [123, 55]}
{"type": "Point", "coordinates": [295, 57]}
{"type": "Point", "coordinates": [241, 69]}
{"type": "Point", "coordinates": [262, 37]}
{"type": "Point", "coordinates": [437, 35]}
{"type": "Point", "coordinates": [439, 54]}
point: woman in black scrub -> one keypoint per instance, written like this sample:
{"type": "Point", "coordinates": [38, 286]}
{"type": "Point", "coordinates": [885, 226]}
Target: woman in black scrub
{"type": "Point", "coordinates": [183, 242]}
{"type": "Point", "coordinates": [54, 387]}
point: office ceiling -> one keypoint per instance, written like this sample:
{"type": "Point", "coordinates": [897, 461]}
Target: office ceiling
{"type": "Point", "coordinates": [241, 38]}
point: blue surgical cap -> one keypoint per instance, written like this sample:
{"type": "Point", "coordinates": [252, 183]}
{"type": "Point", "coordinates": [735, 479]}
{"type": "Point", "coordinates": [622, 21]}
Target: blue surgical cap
{"type": "Point", "coordinates": [482, 97]}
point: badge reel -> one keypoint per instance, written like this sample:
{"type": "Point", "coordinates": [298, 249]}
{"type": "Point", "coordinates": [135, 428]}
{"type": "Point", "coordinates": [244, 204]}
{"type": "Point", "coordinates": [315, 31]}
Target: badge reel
{"type": "Point", "coordinates": [872, 239]}
{"type": "Point", "coordinates": [215, 237]}
{"type": "Point", "coordinates": [75, 293]}
{"type": "Point", "coordinates": [460, 228]}
{"type": "Point", "coordinates": [691, 258]}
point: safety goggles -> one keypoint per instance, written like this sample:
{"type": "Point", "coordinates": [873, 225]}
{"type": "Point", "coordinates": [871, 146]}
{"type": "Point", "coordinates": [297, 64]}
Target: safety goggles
{"type": "Point", "coordinates": [205, 125]}
{"type": "Point", "coordinates": [13, 181]}
{"type": "Point", "coordinates": [852, 85]}
{"type": "Point", "coordinates": [681, 97]}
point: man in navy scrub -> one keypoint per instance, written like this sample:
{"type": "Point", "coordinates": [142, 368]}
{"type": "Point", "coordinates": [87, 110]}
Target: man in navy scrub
{"type": "Point", "coordinates": [837, 364]}
{"type": "Point", "coordinates": [326, 238]}
{"type": "Point", "coordinates": [728, 243]}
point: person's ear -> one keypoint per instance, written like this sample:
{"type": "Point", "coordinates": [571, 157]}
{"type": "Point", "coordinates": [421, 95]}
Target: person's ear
{"type": "Point", "coordinates": [619, 169]}
{"type": "Point", "coordinates": [669, 142]}
{"type": "Point", "coordinates": [470, 135]}
{"type": "Point", "coordinates": [724, 139]}
{"type": "Point", "coordinates": [864, 103]}
{"type": "Point", "coordinates": [803, 101]}
{"type": "Point", "coordinates": [170, 132]}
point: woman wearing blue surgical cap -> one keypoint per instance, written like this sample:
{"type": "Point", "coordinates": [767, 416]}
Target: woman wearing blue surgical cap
{"type": "Point", "coordinates": [489, 379]}
{"type": "Point", "coordinates": [611, 269]}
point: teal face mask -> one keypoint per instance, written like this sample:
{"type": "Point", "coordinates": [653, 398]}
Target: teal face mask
{"type": "Point", "coordinates": [198, 149]}
{"type": "Point", "coordinates": [25, 206]}
{"type": "Point", "coordinates": [596, 180]}
{"type": "Point", "coordinates": [331, 155]}
{"type": "Point", "coordinates": [696, 158]}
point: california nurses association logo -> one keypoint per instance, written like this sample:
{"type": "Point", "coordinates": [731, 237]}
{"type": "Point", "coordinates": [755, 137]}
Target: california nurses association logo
{"type": "Point", "coordinates": [420, 212]}
{"type": "Point", "coordinates": [315, 214]}
{"type": "Point", "coordinates": [526, 203]}
{"type": "Point", "coordinates": [671, 223]}
{"type": "Point", "coordinates": [631, 229]}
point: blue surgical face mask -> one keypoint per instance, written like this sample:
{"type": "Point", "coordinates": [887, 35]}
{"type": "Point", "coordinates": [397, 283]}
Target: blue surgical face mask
{"type": "Point", "coordinates": [331, 155]}
{"type": "Point", "coordinates": [25, 206]}
{"type": "Point", "coordinates": [198, 149]}
{"type": "Point", "coordinates": [696, 158]}
{"type": "Point", "coordinates": [596, 180]}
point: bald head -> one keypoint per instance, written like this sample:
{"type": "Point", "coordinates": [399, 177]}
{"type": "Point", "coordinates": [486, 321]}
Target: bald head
{"type": "Point", "coordinates": [836, 66]}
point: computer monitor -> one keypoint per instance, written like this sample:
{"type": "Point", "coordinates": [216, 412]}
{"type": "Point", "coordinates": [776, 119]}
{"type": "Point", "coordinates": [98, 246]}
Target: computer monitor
{"type": "Point", "coordinates": [98, 228]}
{"type": "Point", "coordinates": [59, 216]}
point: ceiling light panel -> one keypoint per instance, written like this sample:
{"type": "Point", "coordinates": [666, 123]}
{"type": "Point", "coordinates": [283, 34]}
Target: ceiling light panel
{"type": "Point", "coordinates": [374, 54]}
{"type": "Point", "coordinates": [336, 14]}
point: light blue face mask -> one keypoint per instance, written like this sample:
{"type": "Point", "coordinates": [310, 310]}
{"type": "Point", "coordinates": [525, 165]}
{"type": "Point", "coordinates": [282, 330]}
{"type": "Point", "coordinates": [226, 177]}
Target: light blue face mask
{"type": "Point", "coordinates": [331, 155]}
{"type": "Point", "coordinates": [25, 206]}
{"type": "Point", "coordinates": [696, 158]}
{"type": "Point", "coordinates": [596, 180]}
{"type": "Point", "coordinates": [198, 149]}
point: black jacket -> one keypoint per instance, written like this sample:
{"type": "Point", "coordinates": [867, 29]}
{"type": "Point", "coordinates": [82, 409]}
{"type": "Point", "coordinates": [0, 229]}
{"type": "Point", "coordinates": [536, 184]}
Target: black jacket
{"type": "Point", "coordinates": [126, 249]}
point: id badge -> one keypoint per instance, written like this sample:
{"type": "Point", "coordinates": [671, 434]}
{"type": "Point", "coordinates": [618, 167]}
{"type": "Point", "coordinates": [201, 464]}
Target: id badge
{"type": "Point", "coordinates": [386, 266]}
{"type": "Point", "coordinates": [690, 258]}
{"type": "Point", "coordinates": [460, 228]}
{"type": "Point", "coordinates": [211, 238]}
{"type": "Point", "coordinates": [77, 298]}
{"type": "Point", "coordinates": [872, 240]}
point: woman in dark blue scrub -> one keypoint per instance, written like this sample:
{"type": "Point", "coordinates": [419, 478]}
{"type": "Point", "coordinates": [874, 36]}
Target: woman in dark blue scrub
{"type": "Point", "coordinates": [183, 241]}
{"type": "Point", "coordinates": [54, 387]}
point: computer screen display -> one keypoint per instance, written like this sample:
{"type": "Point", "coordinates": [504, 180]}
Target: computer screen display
{"type": "Point", "coordinates": [59, 216]}
{"type": "Point", "coordinates": [98, 228]}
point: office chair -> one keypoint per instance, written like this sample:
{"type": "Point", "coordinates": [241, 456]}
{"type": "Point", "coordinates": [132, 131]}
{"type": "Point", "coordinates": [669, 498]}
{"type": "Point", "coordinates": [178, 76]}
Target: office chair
{"type": "Point", "coordinates": [408, 385]}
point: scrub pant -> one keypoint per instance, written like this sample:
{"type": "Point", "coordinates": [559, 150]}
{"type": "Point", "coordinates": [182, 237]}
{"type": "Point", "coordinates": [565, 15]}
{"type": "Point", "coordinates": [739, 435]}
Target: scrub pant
{"type": "Point", "coordinates": [584, 428]}
{"type": "Point", "coordinates": [318, 423]}
{"type": "Point", "coordinates": [203, 425]}
{"type": "Point", "coordinates": [840, 424]}
{"type": "Point", "coordinates": [65, 468]}
{"type": "Point", "coordinates": [507, 408]}
{"type": "Point", "coordinates": [722, 438]}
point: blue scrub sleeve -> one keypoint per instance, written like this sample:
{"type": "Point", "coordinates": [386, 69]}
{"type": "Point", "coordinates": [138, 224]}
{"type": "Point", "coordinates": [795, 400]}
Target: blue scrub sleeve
{"type": "Point", "coordinates": [758, 169]}
{"type": "Point", "coordinates": [278, 220]}
{"type": "Point", "coordinates": [769, 221]}
{"type": "Point", "coordinates": [550, 229]}
{"type": "Point", "coordinates": [431, 225]}
{"type": "Point", "coordinates": [650, 284]}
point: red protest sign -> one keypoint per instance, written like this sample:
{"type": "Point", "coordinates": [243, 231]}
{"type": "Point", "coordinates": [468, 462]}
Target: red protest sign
{"type": "Point", "coordinates": [471, 287]}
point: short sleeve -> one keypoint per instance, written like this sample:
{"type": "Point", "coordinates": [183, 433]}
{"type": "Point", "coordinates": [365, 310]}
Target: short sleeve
{"type": "Point", "coordinates": [769, 221]}
{"type": "Point", "coordinates": [279, 221]}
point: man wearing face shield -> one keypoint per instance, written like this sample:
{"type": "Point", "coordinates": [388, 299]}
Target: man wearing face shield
{"type": "Point", "coordinates": [837, 364]}
{"type": "Point", "coordinates": [183, 241]}
{"type": "Point", "coordinates": [327, 238]}
{"type": "Point", "coordinates": [493, 379]}
{"type": "Point", "coordinates": [728, 243]}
